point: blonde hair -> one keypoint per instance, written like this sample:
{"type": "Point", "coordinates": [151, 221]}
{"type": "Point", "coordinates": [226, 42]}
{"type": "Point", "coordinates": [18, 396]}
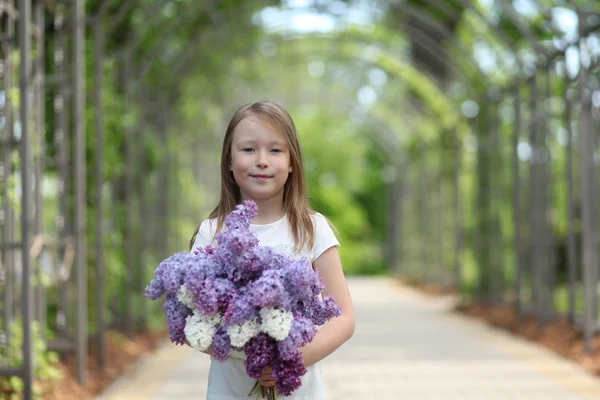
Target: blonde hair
{"type": "Point", "coordinates": [295, 198]}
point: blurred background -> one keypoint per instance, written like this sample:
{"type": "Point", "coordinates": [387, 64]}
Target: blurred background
{"type": "Point", "coordinates": [453, 143]}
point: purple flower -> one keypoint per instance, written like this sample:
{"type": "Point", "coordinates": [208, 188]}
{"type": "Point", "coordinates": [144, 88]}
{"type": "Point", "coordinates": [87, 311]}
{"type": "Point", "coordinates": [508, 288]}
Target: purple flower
{"type": "Point", "coordinates": [319, 311]}
{"type": "Point", "coordinates": [234, 253]}
{"type": "Point", "coordinates": [176, 314]}
{"type": "Point", "coordinates": [288, 373]}
{"type": "Point", "coordinates": [199, 269]}
{"type": "Point", "coordinates": [268, 290]}
{"type": "Point", "coordinates": [239, 278]}
{"type": "Point", "coordinates": [208, 249]}
{"type": "Point", "coordinates": [242, 216]}
{"type": "Point", "coordinates": [240, 309]}
{"type": "Point", "coordinates": [207, 300]}
{"type": "Point", "coordinates": [221, 344]}
{"type": "Point", "coordinates": [155, 289]}
{"type": "Point", "coordinates": [171, 271]}
{"type": "Point", "coordinates": [302, 332]}
{"type": "Point", "coordinates": [301, 280]}
{"type": "Point", "coordinates": [225, 290]}
{"type": "Point", "coordinates": [168, 276]}
{"type": "Point", "coordinates": [260, 353]}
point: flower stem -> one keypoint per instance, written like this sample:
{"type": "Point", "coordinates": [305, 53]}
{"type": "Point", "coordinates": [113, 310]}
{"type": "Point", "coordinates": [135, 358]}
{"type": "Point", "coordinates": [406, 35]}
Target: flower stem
{"type": "Point", "coordinates": [263, 392]}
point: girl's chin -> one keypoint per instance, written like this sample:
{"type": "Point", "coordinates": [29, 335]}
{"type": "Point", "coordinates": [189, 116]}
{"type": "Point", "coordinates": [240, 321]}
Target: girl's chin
{"type": "Point", "coordinates": [258, 195]}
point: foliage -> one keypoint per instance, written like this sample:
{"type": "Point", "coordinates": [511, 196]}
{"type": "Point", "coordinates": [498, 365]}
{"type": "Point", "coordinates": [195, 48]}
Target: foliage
{"type": "Point", "coordinates": [45, 370]}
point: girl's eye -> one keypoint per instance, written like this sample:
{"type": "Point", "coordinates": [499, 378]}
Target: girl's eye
{"type": "Point", "coordinates": [248, 149]}
{"type": "Point", "coordinates": [276, 150]}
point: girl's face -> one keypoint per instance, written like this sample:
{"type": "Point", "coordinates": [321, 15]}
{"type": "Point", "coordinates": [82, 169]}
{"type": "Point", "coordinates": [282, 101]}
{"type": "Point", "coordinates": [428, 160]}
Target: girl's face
{"type": "Point", "coordinates": [260, 159]}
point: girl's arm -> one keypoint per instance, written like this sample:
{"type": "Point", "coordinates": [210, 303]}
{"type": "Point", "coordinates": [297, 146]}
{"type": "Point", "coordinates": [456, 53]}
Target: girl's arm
{"type": "Point", "coordinates": [337, 330]}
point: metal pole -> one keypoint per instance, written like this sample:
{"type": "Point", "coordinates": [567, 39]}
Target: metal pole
{"type": "Point", "coordinates": [62, 145]}
{"type": "Point", "coordinates": [392, 240]}
{"type": "Point", "coordinates": [99, 107]}
{"type": "Point", "coordinates": [26, 170]}
{"type": "Point", "coordinates": [590, 256]}
{"type": "Point", "coordinates": [41, 139]}
{"type": "Point", "coordinates": [518, 249]}
{"type": "Point", "coordinates": [8, 231]}
{"type": "Point", "coordinates": [571, 243]}
{"type": "Point", "coordinates": [535, 228]}
{"type": "Point", "coordinates": [548, 200]}
{"type": "Point", "coordinates": [458, 220]}
{"type": "Point", "coordinates": [128, 246]}
{"type": "Point", "coordinates": [80, 185]}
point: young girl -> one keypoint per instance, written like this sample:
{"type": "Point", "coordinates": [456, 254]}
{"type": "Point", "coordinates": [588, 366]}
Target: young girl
{"type": "Point", "coordinates": [261, 161]}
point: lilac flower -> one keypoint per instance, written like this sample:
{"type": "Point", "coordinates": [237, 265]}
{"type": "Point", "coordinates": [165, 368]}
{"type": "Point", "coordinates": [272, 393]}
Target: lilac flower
{"type": "Point", "coordinates": [176, 314]}
{"type": "Point", "coordinates": [302, 332]}
{"type": "Point", "coordinates": [301, 281]}
{"type": "Point", "coordinates": [155, 289]}
{"type": "Point", "coordinates": [198, 270]}
{"type": "Point", "coordinates": [261, 353]}
{"type": "Point", "coordinates": [208, 249]}
{"type": "Point", "coordinates": [264, 257]}
{"type": "Point", "coordinates": [320, 312]}
{"type": "Point", "coordinates": [239, 310]}
{"type": "Point", "coordinates": [225, 290]}
{"type": "Point", "coordinates": [268, 290]}
{"type": "Point", "coordinates": [242, 296]}
{"type": "Point", "coordinates": [171, 271]}
{"type": "Point", "coordinates": [242, 216]}
{"type": "Point", "coordinates": [206, 298]}
{"type": "Point", "coordinates": [233, 254]}
{"type": "Point", "coordinates": [288, 373]}
{"type": "Point", "coordinates": [221, 344]}
{"type": "Point", "coordinates": [167, 276]}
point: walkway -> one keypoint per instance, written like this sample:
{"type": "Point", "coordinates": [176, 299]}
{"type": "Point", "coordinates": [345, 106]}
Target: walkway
{"type": "Point", "coordinates": [406, 346]}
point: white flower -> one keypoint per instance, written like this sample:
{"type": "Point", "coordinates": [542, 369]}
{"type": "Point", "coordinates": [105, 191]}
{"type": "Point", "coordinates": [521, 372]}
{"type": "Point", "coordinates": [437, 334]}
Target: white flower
{"type": "Point", "coordinates": [241, 334]}
{"type": "Point", "coordinates": [200, 329]}
{"type": "Point", "coordinates": [276, 322]}
{"type": "Point", "coordinates": [185, 297]}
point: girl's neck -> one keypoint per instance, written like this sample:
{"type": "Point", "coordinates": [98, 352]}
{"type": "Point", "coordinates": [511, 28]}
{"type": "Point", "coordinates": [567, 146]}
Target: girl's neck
{"type": "Point", "coordinates": [269, 210]}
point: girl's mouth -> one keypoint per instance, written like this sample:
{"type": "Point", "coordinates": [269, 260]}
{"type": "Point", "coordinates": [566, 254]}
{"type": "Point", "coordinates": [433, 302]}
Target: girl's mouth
{"type": "Point", "coordinates": [261, 177]}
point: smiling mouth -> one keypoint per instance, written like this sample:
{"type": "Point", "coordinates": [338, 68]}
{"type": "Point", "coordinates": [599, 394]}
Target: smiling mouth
{"type": "Point", "coordinates": [261, 176]}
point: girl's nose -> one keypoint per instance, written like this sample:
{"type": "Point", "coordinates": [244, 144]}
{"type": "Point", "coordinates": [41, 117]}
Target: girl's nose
{"type": "Point", "coordinates": [262, 161]}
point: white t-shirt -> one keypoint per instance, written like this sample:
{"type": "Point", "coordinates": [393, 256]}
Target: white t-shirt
{"type": "Point", "coordinates": [227, 380]}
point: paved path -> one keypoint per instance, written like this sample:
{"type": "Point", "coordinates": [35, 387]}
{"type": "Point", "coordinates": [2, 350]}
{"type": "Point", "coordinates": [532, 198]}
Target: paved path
{"type": "Point", "coordinates": [406, 346]}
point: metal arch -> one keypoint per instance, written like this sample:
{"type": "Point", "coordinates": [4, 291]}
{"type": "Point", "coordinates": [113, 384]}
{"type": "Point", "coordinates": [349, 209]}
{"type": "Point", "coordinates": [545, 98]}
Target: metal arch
{"type": "Point", "coordinates": [428, 47]}
{"type": "Point", "coordinates": [180, 66]}
{"type": "Point", "coordinates": [439, 6]}
{"type": "Point", "coordinates": [511, 13]}
{"type": "Point", "coordinates": [135, 43]}
{"type": "Point", "coordinates": [412, 10]}
{"type": "Point", "coordinates": [436, 25]}
{"type": "Point", "coordinates": [188, 54]}
{"type": "Point", "coordinates": [179, 70]}
{"type": "Point", "coordinates": [393, 141]}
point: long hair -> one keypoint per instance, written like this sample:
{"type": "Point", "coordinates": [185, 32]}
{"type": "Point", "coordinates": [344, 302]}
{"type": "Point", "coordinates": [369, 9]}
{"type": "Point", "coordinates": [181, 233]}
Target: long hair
{"type": "Point", "coordinates": [295, 198]}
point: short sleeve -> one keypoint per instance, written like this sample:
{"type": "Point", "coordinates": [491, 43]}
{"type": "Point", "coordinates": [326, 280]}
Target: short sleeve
{"type": "Point", "coordinates": [324, 236]}
{"type": "Point", "coordinates": [206, 234]}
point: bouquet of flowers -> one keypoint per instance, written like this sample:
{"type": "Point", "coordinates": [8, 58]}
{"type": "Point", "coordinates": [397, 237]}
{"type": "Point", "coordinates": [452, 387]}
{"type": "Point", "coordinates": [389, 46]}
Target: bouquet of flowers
{"type": "Point", "coordinates": [244, 297]}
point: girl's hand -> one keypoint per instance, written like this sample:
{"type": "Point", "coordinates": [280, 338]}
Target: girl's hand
{"type": "Point", "coordinates": [267, 379]}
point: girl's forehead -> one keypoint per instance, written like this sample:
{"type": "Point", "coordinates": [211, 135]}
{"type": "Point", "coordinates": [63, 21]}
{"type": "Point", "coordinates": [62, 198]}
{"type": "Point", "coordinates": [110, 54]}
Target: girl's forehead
{"type": "Point", "coordinates": [254, 128]}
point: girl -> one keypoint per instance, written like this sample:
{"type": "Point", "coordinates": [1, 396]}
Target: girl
{"type": "Point", "coordinates": [261, 161]}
